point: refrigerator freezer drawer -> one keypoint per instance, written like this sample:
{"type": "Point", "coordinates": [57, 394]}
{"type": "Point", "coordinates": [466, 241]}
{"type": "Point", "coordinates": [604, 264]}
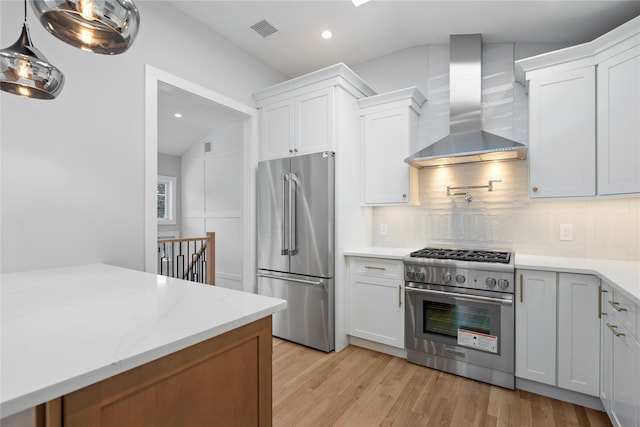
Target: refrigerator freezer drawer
{"type": "Point", "coordinates": [308, 318]}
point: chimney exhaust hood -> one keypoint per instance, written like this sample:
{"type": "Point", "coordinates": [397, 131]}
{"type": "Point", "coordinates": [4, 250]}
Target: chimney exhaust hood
{"type": "Point", "coordinates": [467, 142]}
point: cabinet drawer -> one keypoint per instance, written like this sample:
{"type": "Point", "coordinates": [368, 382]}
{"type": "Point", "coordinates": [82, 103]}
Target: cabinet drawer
{"type": "Point", "coordinates": [623, 310]}
{"type": "Point", "coordinates": [377, 267]}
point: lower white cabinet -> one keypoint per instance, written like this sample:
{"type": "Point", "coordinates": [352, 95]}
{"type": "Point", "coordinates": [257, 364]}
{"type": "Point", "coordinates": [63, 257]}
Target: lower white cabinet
{"type": "Point", "coordinates": [558, 330]}
{"type": "Point", "coordinates": [536, 326]}
{"type": "Point", "coordinates": [376, 300]}
{"type": "Point", "coordinates": [621, 360]}
{"type": "Point", "coordinates": [578, 333]}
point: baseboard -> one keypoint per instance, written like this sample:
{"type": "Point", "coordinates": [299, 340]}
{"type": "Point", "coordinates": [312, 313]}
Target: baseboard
{"type": "Point", "coordinates": [381, 348]}
{"type": "Point", "coordinates": [560, 394]}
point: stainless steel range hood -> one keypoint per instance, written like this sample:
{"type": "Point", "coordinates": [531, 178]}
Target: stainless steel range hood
{"type": "Point", "coordinates": [467, 141]}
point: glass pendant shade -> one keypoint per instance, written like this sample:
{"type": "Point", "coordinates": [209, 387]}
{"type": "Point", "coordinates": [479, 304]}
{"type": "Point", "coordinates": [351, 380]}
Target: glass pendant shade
{"type": "Point", "coordinates": [101, 26]}
{"type": "Point", "coordinates": [25, 71]}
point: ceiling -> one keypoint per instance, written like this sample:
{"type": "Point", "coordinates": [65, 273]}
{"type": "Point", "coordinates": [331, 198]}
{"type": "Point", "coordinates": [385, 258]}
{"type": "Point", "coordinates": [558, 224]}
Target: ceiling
{"type": "Point", "coordinates": [200, 116]}
{"type": "Point", "coordinates": [366, 32]}
{"type": "Point", "coordinates": [380, 27]}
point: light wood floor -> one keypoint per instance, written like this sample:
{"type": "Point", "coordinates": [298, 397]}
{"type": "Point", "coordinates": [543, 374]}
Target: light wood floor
{"type": "Point", "coordinates": [358, 387]}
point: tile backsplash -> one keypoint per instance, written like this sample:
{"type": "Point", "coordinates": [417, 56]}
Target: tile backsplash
{"type": "Point", "coordinates": [505, 218]}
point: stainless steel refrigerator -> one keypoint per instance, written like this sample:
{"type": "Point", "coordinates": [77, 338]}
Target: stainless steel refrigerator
{"type": "Point", "coordinates": [296, 245]}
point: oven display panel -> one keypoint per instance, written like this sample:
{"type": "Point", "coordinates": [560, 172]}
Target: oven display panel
{"type": "Point", "coordinates": [469, 325]}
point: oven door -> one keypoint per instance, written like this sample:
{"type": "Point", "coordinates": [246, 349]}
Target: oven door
{"type": "Point", "coordinates": [473, 326]}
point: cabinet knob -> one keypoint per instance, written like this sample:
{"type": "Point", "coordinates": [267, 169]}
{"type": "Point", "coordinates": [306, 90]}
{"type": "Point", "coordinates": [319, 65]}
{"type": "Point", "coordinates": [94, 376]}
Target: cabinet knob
{"type": "Point", "coordinates": [404, 196]}
{"type": "Point", "coordinates": [290, 150]}
{"type": "Point", "coordinates": [295, 150]}
{"type": "Point", "coordinates": [535, 189]}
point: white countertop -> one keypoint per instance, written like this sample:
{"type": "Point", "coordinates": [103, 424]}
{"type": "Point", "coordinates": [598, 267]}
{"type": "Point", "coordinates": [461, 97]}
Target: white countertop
{"type": "Point", "coordinates": [624, 275]}
{"type": "Point", "coordinates": [67, 328]}
{"type": "Point", "coordinates": [380, 252]}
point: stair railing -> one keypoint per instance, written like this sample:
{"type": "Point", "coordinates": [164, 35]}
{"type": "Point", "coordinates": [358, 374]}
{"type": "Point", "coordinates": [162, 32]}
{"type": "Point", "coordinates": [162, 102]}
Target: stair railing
{"type": "Point", "coordinates": [190, 259]}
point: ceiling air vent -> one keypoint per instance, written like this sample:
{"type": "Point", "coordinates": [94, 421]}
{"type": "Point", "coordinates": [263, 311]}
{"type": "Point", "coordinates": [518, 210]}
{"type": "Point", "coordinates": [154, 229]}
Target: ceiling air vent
{"type": "Point", "coordinates": [264, 28]}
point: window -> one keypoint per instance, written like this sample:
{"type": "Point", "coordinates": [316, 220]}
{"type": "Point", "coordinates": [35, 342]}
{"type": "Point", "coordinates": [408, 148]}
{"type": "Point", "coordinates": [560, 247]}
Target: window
{"type": "Point", "coordinates": [166, 203]}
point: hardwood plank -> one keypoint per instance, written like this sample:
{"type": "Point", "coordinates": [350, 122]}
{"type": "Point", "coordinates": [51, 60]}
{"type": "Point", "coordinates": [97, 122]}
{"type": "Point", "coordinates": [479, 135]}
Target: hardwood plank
{"type": "Point", "coordinates": [359, 387]}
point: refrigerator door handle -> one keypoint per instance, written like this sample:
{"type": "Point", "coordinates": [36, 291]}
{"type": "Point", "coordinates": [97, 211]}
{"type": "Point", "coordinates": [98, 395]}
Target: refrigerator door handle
{"type": "Point", "coordinates": [283, 248]}
{"type": "Point", "coordinates": [291, 279]}
{"type": "Point", "coordinates": [293, 206]}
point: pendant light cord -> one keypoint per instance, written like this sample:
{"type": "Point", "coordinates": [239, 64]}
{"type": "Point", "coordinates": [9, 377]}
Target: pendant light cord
{"type": "Point", "coordinates": [25, 11]}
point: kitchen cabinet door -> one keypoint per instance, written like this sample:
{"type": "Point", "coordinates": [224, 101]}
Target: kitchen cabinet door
{"type": "Point", "coordinates": [390, 132]}
{"type": "Point", "coordinates": [376, 308]}
{"type": "Point", "coordinates": [578, 333]}
{"type": "Point", "coordinates": [618, 123]}
{"type": "Point", "coordinates": [276, 128]}
{"type": "Point", "coordinates": [562, 132]}
{"type": "Point", "coordinates": [314, 122]}
{"type": "Point", "coordinates": [625, 392]}
{"type": "Point", "coordinates": [536, 326]}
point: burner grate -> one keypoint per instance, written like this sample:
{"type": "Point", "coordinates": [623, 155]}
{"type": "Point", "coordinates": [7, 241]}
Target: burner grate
{"type": "Point", "coordinates": [463, 255]}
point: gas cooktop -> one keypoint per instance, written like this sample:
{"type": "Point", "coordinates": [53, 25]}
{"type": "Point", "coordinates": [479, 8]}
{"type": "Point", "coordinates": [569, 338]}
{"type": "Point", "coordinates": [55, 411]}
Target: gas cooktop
{"type": "Point", "coordinates": [463, 255]}
{"type": "Point", "coordinates": [477, 269]}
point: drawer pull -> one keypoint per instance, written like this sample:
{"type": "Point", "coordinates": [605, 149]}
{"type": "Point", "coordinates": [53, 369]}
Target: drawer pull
{"type": "Point", "coordinates": [399, 295]}
{"type": "Point", "coordinates": [374, 268]}
{"type": "Point", "coordinates": [617, 306]}
{"type": "Point", "coordinates": [614, 329]}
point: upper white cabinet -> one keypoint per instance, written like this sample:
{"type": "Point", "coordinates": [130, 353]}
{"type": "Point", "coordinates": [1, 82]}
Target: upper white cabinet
{"type": "Point", "coordinates": [584, 104]}
{"type": "Point", "coordinates": [618, 121]}
{"type": "Point", "coordinates": [300, 116]}
{"type": "Point", "coordinates": [390, 132]}
{"type": "Point", "coordinates": [562, 134]}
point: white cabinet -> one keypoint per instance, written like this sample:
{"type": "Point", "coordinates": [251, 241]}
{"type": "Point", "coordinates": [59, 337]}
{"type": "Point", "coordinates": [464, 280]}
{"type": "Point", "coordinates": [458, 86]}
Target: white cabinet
{"type": "Point", "coordinates": [584, 104]}
{"type": "Point", "coordinates": [536, 326]}
{"type": "Point", "coordinates": [390, 133]}
{"type": "Point", "coordinates": [296, 126]}
{"type": "Point", "coordinates": [376, 300]}
{"type": "Point", "coordinates": [621, 360]}
{"type": "Point", "coordinates": [558, 330]}
{"type": "Point", "coordinates": [276, 130]}
{"type": "Point", "coordinates": [562, 125]}
{"type": "Point", "coordinates": [618, 124]}
{"type": "Point", "coordinates": [578, 333]}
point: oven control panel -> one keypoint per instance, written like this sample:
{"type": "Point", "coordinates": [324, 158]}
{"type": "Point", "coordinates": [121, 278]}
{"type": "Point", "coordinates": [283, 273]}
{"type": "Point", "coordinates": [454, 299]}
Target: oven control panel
{"type": "Point", "coordinates": [500, 281]}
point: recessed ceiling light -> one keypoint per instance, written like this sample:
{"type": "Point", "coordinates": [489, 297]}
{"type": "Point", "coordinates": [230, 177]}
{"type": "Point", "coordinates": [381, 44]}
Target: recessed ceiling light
{"type": "Point", "coordinates": [326, 34]}
{"type": "Point", "coordinates": [178, 115]}
{"type": "Point", "coordinates": [357, 3]}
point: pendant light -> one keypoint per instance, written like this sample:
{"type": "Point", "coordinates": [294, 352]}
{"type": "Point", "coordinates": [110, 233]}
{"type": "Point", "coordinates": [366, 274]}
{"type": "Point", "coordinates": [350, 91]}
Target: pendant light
{"type": "Point", "coordinates": [100, 26]}
{"type": "Point", "coordinates": [25, 71]}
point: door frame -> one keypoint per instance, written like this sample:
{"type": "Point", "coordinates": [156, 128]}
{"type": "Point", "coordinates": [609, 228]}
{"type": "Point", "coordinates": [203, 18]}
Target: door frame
{"type": "Point", "coordinates": [152, 77]}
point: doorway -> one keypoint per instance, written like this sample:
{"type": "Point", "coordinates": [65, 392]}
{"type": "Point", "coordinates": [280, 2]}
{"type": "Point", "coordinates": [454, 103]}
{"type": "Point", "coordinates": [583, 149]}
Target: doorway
{"type": "Point", "coordinates": [213, 145]}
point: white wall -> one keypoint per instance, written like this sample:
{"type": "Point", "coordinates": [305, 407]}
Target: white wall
{"type": "Point", "coordinates": [169, 165]}
{"type": "Point", "coordinates": [72, 179]}
{"type": "Point", "coordinates": [504, 218]}
{"type": "Point", "coordinates": [212, 196]}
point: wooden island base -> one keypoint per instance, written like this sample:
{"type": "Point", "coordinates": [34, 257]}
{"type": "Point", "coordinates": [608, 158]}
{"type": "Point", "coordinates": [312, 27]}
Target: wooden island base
{"type": "Point", "coordinates": [223, 381]}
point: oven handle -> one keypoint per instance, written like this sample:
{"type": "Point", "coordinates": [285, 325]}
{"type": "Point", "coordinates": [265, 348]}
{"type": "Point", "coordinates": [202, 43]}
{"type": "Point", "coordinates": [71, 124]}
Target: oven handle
{"type": "Point", "coordinates": [461, 296]}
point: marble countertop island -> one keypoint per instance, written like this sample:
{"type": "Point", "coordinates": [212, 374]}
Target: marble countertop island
{"type": "Point", "coordinates": [67, 328]}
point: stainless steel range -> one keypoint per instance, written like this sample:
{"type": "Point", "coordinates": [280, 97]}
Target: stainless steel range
{"type": "Point", "coordinates": [459, 315]}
